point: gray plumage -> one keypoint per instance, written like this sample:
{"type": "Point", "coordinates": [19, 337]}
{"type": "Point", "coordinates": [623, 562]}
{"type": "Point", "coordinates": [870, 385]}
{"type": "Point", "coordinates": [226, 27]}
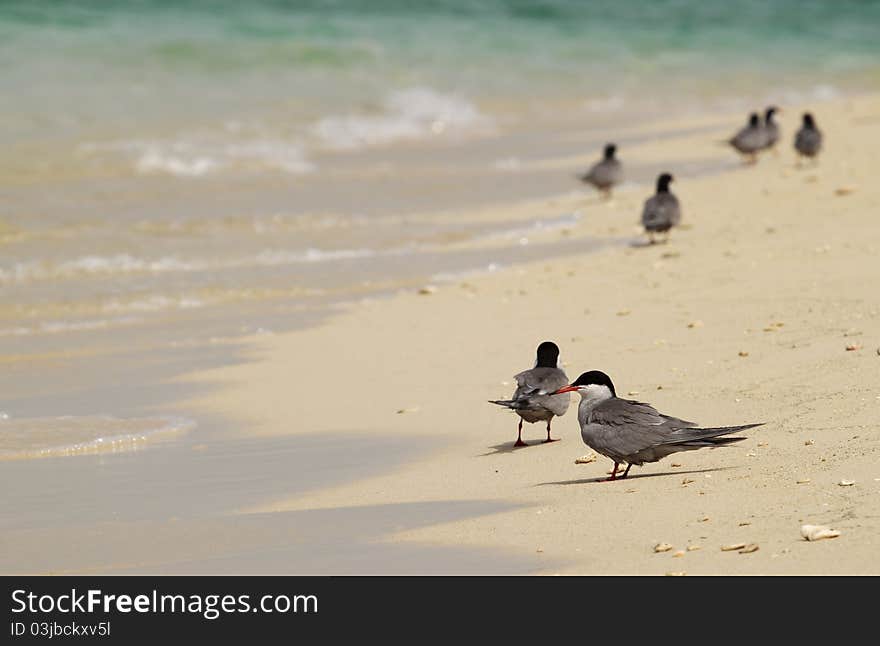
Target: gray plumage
{"type": "Point", "coordinates": [750, 139]}
{"type": "Point", "coordinates": [771, 128]}
{"type": "Point", "coordinates": [633, 432]}
{"type": "Point", "coordinates": [533, 400]}
{"type": "Point", "coordinates": [661, 211]}
{"type": "Point", "coordinates": [606, 173]}
{"type": "Point", "coordinates": [808, 140]}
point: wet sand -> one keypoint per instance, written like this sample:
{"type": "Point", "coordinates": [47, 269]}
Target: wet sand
{"type": "Point", "coordinates": [364, 443]}
{"type": "Point", "coordinates": [744, 316]}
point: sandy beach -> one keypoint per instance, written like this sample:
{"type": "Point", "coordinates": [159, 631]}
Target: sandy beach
{"type": "Point", "coordinates": [264, 265]}
{"type": "Point", "coordinates": [763, 307]}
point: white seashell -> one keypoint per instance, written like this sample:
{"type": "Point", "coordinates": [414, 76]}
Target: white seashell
{"type": "Point", "coordinates": [846, 483]}
{"type": "Point", "coordinates": [818, 532]}
{"type": "Point", "coordinates": [586, 459]}
{"type": "Point", "coordinates": [662, 547]}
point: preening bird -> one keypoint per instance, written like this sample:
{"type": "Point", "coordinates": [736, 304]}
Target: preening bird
{"type": "Point", "coordinates": [534, 399]}
{"type": "Point", "coordinates": [633, 432]}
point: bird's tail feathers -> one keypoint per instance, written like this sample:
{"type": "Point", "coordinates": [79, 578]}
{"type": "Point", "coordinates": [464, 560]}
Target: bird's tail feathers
{"type": "Point", "coordinates": [711, 436]}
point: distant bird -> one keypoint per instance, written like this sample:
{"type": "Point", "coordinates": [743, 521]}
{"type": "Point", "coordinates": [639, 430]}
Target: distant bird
{"type": "Point", "coordinates": [533, 400]}
{"type": "Point", "coordinates": [605, 173]}
{"type": "Point", "coordinates": [771, 129]}
{"type": "Point", "coordinates": [661, 211]}
{"type": "Point", "coordinates": [808, 140]}
{"type": "Point", "coordinates": [750, 139]}
{"type": "Point", "coordinates": [634, 432]}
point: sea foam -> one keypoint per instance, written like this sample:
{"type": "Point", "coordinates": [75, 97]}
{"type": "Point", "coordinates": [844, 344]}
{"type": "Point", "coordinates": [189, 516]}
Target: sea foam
{"type": "Point", "coordinates": [46, 437]}
{"type": "Point", "coordinates": [413, 113]}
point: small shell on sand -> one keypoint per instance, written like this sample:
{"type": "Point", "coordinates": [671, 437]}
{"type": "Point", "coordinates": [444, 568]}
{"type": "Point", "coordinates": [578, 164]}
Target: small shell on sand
{"type": "Point", "coordinates": [692, 548]}
{"type": "Point", "coordinates": [427, 289]}
{"type": "Point", "coordinates": [743, 353]}
{"type": "Point", "coordinates": [586, 459]}
{"type": "Point", "coordinates": [623, 313]}
{"type": "Point", "coordinates": [662, 547]}
{"type": "Point", "coordinates": [818, 532]}
{"type": "Point", "coordinates": [401, 411]}
{"type": "Point", "coordinates": [809, 443]}
{"type": "Point", "coordinates": [748, 549]}
{"type": "Point", "coordinates": [693, 324]}
{"type": "Point", "coordinates": [853, 346]}
{"type": "Point", "coordinates": [676, 574]}
{"type": "Point", "coordinates": [678, 554]}
{"type": "Point", "coordinates": [732, 547]}
{"type": "Point", "coordinates": [846, 483]}
{"type": "Point", "coordinates": [802, 481]}
{"type": "Point", "coordinates": [845, 190]}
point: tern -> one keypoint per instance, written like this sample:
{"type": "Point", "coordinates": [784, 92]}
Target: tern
{"type": "Point", "coordinates": [771, 129]}
{"type": "Point", "coordinates": [605, 173]}
{"type": "Point", "coordinates": [750, 139]}
{"type": "Point", "coordinates": [634, 432]}
{"type": "Point", "coordinates": [808, 140]}
{"type": "Point", "coordinates": [534, 399]}
{"type": "Point", "coordinates": [661, 211]}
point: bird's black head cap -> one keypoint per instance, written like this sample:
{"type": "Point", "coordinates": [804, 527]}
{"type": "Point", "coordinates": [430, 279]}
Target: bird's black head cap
{"type": "Point", "coordinates": [768, 115]}
{"type": "Point", "coordinates": [808, 120]}
{"type": "Point", "coordinates": [754, 119]}
{"type": "Point", "coordinates": [610, 149]}
{"type": "Point", "coordinates": [663, 182]}
{"type": "Point", "coordinates": [548, 355]}
{"type": "Point", "coordinates": [595, 377]}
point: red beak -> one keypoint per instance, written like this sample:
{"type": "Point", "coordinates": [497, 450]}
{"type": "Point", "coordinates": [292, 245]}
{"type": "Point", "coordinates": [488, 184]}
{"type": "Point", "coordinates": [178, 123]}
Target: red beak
{"type": "Point", "coordinates": [566, 389]}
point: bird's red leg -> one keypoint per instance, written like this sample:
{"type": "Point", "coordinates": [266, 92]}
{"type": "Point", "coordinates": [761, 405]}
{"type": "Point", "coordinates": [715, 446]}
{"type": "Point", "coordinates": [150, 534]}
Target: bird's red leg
{"type": "Point", "coordinates": [548, 434]}
{"type": "Point", "coordinates": [613, 475]}
{"type": "Point", "coordinates": [626, 473]}
{"type": "Point", "coordinates": [519, 441]}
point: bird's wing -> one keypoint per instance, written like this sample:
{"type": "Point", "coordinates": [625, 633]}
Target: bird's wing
{"type": "Point", "coordinates": [631, 427]}
{"type": "Point", "coordinates": [539, 381]}
{"type": "Point", "coordinates": [661, 209]}
{"type": "Point", "coordinates": [627, 412]}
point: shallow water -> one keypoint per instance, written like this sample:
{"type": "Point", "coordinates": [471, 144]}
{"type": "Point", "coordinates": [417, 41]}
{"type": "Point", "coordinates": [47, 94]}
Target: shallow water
{"type": "Point", "coordinates": [175, 160]}
{"type": "Point", "coordinates": [175, 176]}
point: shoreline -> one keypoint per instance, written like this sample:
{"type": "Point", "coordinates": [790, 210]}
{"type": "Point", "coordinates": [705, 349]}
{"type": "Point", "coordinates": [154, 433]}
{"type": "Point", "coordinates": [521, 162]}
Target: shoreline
{"type": "Point", "coordinates": [699, 317]}
{"type": "Point", "coordinates": [743, 316]}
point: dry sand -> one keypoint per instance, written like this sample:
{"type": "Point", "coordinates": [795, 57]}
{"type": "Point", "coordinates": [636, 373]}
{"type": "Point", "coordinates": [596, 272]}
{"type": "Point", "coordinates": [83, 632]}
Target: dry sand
{"type": "Point", "coordinates": [744, 316]}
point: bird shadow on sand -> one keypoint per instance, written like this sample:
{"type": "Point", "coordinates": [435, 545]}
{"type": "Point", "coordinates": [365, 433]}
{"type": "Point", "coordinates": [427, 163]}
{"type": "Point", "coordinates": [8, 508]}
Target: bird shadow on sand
{"type": "Point", "coordinates": [631, 477]}
{"type": "Point", "coordinates": [508, 447]}
{"type": "Point", "coordinates": [641, 243]}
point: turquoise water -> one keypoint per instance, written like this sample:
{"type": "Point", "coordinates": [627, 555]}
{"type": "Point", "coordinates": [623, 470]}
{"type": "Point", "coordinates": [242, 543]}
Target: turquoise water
{"type": "Point", "coordinates": [171, 172]}
{"type": "Point", "coordinates": [82, 64]}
